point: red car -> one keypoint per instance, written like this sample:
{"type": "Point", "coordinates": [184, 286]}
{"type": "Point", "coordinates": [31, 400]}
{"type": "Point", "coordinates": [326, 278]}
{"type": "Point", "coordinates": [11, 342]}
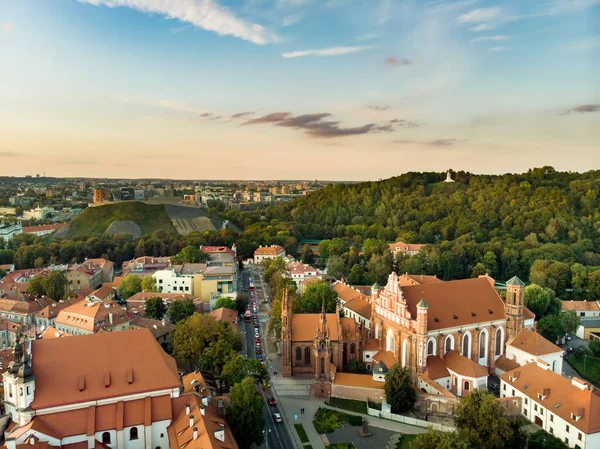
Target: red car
{"type": "Point", "coordinates": [272, 401]}
{"type": "Point", "coordinates": [258, 340]}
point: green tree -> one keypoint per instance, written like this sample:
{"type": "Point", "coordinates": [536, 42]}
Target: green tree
{"type": "Point", "coordinates": [36, 286]}
{"type": "Point", "coordinates": [434, 439]}
{"type": "Point", "coordinates": [594, 348]}
{"type": "Point", "coordinates": [569, 321]}
{"type": "Point", "coordinates": [315, 295]}
{"type": "Point", "coordinates": [55, 285]}
{"type": "Point", "coordinates": [155, 308]}
{"type": "Point", "coordinates": [189, 254]}
{"type": "Point", "coordinates": [550, 327]}
{"type": "Point", "coordinates": [130, 285]}
{"type": "Point", "coordinates": [307, 255]}
{"type": "Point", "coordinates": [215, 356]}
{"type": "Point", "coordinates": [537, 299]}
{"type": "Point", "coordinates": [245, 414]}
{"type": "Point", "coordinates": [241, 303]}
{"type": "Point", "coordinates": [543, 440]}
{"type": "Point", "coordinates": [593, 283]}
{"type": "Point", "coordinates": [180, 309]}
{"type": "Point", "coordinates": [479, 270]}
{"type": "Point", "coordinates": [357, 275]}
{"type": "Point", "coordinates": [226, 301]}
{"type": "Point", "coordinates": [399, 391]}
{"type": "Point", "coordinates": [336, 266]}
{"type": "Point", "coordinates": [195, 333]}
{"type": "Point", "coordinates": [149, 284]}
{"type": "Point", "coordinates": [355, 366]}
{"type": "Point", "coordinates": [481, 422]}
{"type": "Point", "coordinates": [238, 368]}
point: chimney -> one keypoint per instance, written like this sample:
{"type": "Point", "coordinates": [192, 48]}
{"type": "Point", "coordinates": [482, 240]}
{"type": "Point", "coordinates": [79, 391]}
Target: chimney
{"type": "Point", "coordinates": [220, 433]}
{"type": "Point", "coordinates": [195, 433]}
{"type": "Point", "coordinates": [191, 420]}
{"type": "Point", "coordinates": [110, 318]}
{"type": "Point", "coordinates": [203, 410]}
{"type": "Point", "coordinates": [581, 384]}
{"type": "Point", "coordinates": [187, 409]}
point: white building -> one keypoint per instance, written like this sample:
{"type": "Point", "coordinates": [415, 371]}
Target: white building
{"type": "Point", "coordinates": [169, 281]}
{"type": "Point", "coordinates": [567, 409]}
{"type": "Point", "coordinates": [300, 272]}
{"type": "Point", "coordinates": [530, 346]}
{"type": "Point", "coordinates": [268, 252]}
{"type": "Point", "coordinates": [114, 389]}
{"type": "Point", "coordinates": [9, 230]}
{"type": "Point", "coordinates": [39, 213]}
{"type": "Point", "coordinates": [584, 309]}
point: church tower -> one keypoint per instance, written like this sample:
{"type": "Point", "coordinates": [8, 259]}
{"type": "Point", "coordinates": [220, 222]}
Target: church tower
{"type": "Point", "coordinates": [286, 334]}
{"type": "Point", "coordinates": [513, 308]}
{"type": "Point", "coordinates": [322, 350]}
{"type": "Point", "coordinates": [19, 386]}
{"type": "Point", "coordinates": [421, 361]}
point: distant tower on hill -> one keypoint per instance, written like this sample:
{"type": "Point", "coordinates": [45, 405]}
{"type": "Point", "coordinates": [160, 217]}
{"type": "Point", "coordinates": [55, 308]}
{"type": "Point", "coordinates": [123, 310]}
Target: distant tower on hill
{"type": "Point", "coordinates": [448, 177]}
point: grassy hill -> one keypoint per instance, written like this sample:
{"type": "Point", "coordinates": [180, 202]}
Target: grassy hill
{"type": "Point", "coordinates": [96, 220]}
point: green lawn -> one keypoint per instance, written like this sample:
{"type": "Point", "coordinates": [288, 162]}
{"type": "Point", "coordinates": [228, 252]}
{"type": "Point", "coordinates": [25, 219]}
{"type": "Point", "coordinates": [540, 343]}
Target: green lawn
{"type": "Point", "coordinates": [349, 404]}
{"type": "Point", "coordinates": [405, 441]}
{"type": "Point", "coordinates": [301, 433]}
{"type": "Point", "coordinates": [592, 368]}
{"type": "Point", "coordinates": [341, 446]}
{"type": "Point", "coordinates": [327, 421]}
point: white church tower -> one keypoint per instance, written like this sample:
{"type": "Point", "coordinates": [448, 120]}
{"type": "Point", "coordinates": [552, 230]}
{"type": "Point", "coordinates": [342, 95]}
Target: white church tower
{"type": "Point", "coordinates": [19, 386]}
{"type": "Point", "coordinates": [448, 177]}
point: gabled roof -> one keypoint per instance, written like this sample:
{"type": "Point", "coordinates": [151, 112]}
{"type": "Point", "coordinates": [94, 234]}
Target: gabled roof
{"type": "Point", "coordinates": [506, 364]}
{"type": "Point", "coordinates": [532, 379]}
{"type": "Point", "coordinates": [345, 292]}
{"type": "Point", "coordinates": [274, 250]}
{"type": "Point", "coordinates": [357, 380]}
{"type": "Point", "coordinates": [77, 369]}
{"type": "Point", "coordinates": [533, 343]}
{"type": "Point", "coordinates": [465, 367]}
{"type": "Point", "coordinates": [417, 279]}
{"type": "Point", "coordinates": [387, 357]}
{"type": "Point", "coordinates": [583, 306]}
{"type": "Point", "coordinates": [456, 303]}
{"type": "Point", "coordinates": [435, 368]}
{"type": "Point", "coordinates": [225, 314]}
{"type": "Point", "coordinates": [304, 326]}
{"type": "Point", "coordinates": [381, 368]}
{"type": "Point", "coordinates": [360, 305]}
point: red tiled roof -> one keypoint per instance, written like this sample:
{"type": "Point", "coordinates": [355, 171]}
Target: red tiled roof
{"type": "Point", "coordinates": [461, 365]}
{"type": "Point", "coordinates": [533, 343]}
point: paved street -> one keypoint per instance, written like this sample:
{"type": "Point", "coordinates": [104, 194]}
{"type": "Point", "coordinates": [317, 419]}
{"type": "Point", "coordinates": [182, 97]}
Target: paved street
{"type": "Point", "coordinates": [277, 435]}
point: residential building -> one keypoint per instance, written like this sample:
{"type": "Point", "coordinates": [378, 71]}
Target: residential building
{"type": "Point", "coordinates": [584, 309]}
{"type": "Point", "coordinates": [178, 278]}
{"type": "Point", "coordinates": [23, 310]}
{"type": "Point", "coordinates": [529, 346]}
{"type": "Point", "coordinates": [136, 304]}
{"type": "Point", "coordinates": [127, 194]}
{"type": "Point", "coordinates": [409, 249]}
{"type": "Point", "coordinates": [353, 303]}
{"type": "Point", "coordinates": [107, 267]}
{"type": "Point", "coordinates": [569, 409]}
{"type": "Point", "coordinates": [41, 230]}
{"type": "Point", "coordinates": [98, 312]}
{"type": "Point", "coordinates": [117, 390]}
{"type": "Point", "coordinates": [227, 315]}
{"type": "Point", "coordinates": [39, 213]}
{"type": "Point", "coordinates": [84, 275]}
{"type": "Point", "coordinates": [100, 196]}
{"type": "Point", "coordinates": [46, 316]}
{"type": "Point", "coordinates": [300, 272]}
{"type": "Point", "coordinates": [9, 230]}
{"type": "Point", "coordinates": [8, 211]}
{"type": "Point", "coordinates": [268, 252]}
{"type": "Point", "coordinates": [219, 277]}
{"type": "Point", "coordinates": [145, 265]}
{"type": "Point", "coordinates": [589, 329]}
{"type": "Point", "coordinates": [162, 330]}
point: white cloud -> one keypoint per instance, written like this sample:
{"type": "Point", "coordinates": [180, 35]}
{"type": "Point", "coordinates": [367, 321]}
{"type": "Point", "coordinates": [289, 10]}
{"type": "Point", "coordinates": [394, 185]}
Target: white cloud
{"type": "Point", "coordinates": [205, 14]}
{"type": "Point", "coordinates": [292, 18]}
{"type": "Point", "coordinates": [332, 51]}
{"type": "Point", "coordinates": [479, 15]}
{"type": "Point", "coordinates": [482, 27]}
{"type": "Point", "coordinates": [497, 49]}
{"type": "Point", "coordinates": [448, 7]}
{"type": "Point", "coordinates": [490, 38]}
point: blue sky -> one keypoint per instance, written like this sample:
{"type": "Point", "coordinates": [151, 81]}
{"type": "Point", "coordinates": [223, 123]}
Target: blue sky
{"type": "Point", "coordinates": [329, 89]}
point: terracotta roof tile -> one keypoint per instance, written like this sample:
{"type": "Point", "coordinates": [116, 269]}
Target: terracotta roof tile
{"type": "Point", "coordinates": [304, 326]}
{"type": "Point", "coordinates": [401, 246]}
{"type": "Point", "coordinates": [386, 357]}
{"type": "Point", "coordinates": [587, 306]}
{"type": "Point", "coordinates": [60, 363]}
{"type": "Point", "coordinates": [372, 344]}
{"type": "Point", "coordinates": [562, 391]}
{"type": "Point", "coordinates": [436, 368]}
{"type": "Point", "coordinates": [345, 292]}
{"type": "Point", "coordinates": [225, 314]}
{"type": "Point", "coordinates": [357, 380]}
{"type": "Point", "coordinates": [506, 364]}
{"type": "Point", "coordinates": [533, 343]}
{"type": "Point", "coordinates": [269, 250]}
{"type": "Point", "coordinates": [463, 366]}
{"type": "Point", "coordinates": [417, 279]}
{"type": "Point", "coordinates": [52, 332]}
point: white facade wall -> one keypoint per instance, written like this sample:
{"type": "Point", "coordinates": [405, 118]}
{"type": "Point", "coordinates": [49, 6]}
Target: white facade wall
{"type": "Point", "coordinates": [168, 281]}
{"type": "Point", "coordinates": [360, 319]}
{"type": "Point", "coordinates": [555, 360]}
{"type": "Point", "coordinates": [549, 421]}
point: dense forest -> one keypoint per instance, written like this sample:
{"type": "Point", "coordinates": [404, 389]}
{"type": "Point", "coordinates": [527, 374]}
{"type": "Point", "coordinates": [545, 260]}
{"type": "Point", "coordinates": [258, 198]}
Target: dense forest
{"type": "Point", "coordinates": [542, 225]}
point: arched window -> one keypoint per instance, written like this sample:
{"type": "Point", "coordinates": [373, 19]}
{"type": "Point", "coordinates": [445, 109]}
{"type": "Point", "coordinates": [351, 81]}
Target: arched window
{"type": "Point", "coordinates": [430, 348]}
{"type": "Point", "coordinates": [28, 389]}
{"type": "Point", "coordinates": [352, 348]}
{"type": "Point", "coordinates": [467, 386]}
{"type": "Point", "coordinates": [307, 356]}
{"type": "Point", "coordinates": [390, 344]}
{"type": "Point", "coordinates": [298, 354]}
{"type": "Point", "coordinates": [106, 438]}
{"type": "Point", "coordinates": [499, 341]}
{"type": "Point", "coordinates": [466, 345]}
{"type": "Point", "coordinates": [483, 344]}
{"type": "Point", "coordinates": [449, 344]}
{"type": "Point", "coordinates": [133, 433]}
{"type": "Point", "coordinates": [21, 391]}
{"type": "Point", "coordinates": [322, 365]}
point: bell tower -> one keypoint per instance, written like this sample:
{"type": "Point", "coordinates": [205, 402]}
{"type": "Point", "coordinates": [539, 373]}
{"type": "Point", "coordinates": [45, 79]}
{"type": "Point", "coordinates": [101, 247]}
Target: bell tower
{"type": "Point", "coordinates": [513, 308]}
{"type": "Point", "coordinates": [286, 334]}
{"type": "Point", "coordinates": [421, 336]}
{"type": "Point", "coordinates": [19, 386]}
{"type": "Point", "coordinates": [322, 350]}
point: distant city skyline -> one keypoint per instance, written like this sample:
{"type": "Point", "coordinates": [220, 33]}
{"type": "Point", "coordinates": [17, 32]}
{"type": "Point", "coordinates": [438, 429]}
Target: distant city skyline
{"type": "Point", "coordinates": [297, 89]}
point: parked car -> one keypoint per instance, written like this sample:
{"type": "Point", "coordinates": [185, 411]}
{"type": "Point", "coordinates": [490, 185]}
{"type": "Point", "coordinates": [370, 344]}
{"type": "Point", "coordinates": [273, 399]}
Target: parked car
{"type": "Point", "coordinates": [277, 417]}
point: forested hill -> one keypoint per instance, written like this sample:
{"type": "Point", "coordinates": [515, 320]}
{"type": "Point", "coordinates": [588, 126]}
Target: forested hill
{"type": "Point", "coordinates": [480, 223]}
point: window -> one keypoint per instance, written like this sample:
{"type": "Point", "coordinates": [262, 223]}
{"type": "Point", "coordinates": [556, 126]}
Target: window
{"type": "Point", "coordinates": [551, 430]}
{"type": "Point", "coordinates": [133, 433]}
{"type": "Point", "coordinates": [466, 386]}
{"type": "Point", "coordinates": [298, 354]}
{"type": "Point", "coordinates": [430, 348]}
{"type": "Point", "coordinates": [21, 391]}
{"type": "Point", "coordinates": [579, 436]}
{"type": "Point", "coordinates": [566, 441]}
{"type": "Point", "coordinates": [499, 341]}
{"type": "Point", "coordinates": [526, 401]}
{"type": "Point", "coordinates": [28, 390]}
{"type": "Point", "coordinates": [352, 348]}
{"type": "Point", "coordinates": [449, 345]}
{"type": "Point", "coordinates": [106, 438]}
{"type": "Point", "coordinates": [307, 356]}
{"type": "Point", "coordinates": [551, 418]}
{"type": "Point", "coordinates": [466, 345]}
{"type": "Point", "coordinates": [504, 387]}
{"type": "Point", "coordinates": [513, 392]}
{"type": "Point", "coordinates": [482, 345]}
{"type": "Point", "coordinates": [535, 407]}
{"type": "Point", "coordinates": [567, 428]}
